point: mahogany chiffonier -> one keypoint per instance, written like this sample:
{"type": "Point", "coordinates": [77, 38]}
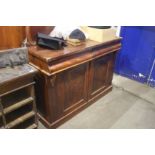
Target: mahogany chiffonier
{"type": "Point", "coordinates": [72, 78]}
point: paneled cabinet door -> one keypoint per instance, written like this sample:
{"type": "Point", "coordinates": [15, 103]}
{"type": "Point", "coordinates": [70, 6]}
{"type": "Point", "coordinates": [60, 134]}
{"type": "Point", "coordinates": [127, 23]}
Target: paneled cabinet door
{"type": "Point", "coordinates": [69, 91]}
{"type": "Point", "coordinates": [100, 73]}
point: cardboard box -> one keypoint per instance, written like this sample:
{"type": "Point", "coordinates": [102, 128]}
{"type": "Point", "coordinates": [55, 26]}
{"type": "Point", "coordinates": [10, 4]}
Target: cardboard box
{"type": "Point", "coordinates": [99, 35]}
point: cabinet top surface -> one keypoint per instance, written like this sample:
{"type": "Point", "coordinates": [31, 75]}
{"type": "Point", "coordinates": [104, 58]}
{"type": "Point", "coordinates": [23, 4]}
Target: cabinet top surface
{"type": "Point", "coordinates": [48, 55]}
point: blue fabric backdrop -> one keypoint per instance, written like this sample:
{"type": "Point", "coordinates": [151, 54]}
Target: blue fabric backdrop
{"type": "Point", "coordinates": [135, 59]}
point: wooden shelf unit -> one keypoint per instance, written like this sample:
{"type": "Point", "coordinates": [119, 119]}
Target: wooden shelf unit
{"type": "Point", "coordinates": [18, 109]}
{"type": "Point", "coordinates": [17, 102]}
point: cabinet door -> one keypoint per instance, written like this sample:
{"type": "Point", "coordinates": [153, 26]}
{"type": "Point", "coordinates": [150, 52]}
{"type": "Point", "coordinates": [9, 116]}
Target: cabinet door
{"type": "Point", "coordinates": [69, 91]}
{"type": "Point", "coordinates": [101, 71]}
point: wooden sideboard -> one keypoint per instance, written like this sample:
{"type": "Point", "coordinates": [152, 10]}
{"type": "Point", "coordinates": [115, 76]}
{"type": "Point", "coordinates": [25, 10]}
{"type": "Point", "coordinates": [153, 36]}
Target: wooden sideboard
{"type": "Point", "coordinates": [71, 79]}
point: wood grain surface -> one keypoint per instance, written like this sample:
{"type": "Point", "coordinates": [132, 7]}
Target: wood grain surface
{"type": "Point", "coordinates": [11, 36]}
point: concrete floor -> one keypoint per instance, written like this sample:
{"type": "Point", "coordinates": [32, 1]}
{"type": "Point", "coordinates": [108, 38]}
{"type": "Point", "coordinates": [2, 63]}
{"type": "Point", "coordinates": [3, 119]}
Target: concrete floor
{"type": "Point", "coordinates": [129, 105]}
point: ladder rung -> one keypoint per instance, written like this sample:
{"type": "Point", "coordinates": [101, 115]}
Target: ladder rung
{"type": "Point", "coordinates": [33, 126]}
{"type": "Point", "coordinates": [20, 119]}
{"type": "Point", "coordinates": [18, 105]}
